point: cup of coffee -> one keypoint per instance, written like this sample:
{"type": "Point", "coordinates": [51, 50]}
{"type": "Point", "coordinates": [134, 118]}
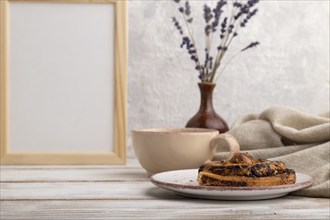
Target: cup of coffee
{"type": "Point", "coordinates": [164, 149]}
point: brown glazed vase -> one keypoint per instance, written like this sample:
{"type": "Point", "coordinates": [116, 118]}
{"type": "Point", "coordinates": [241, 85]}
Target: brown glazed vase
{"type": "Point", "coordinates": [206, 117]}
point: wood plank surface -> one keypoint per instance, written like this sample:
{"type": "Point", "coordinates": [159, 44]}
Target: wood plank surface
{"type": "Point", "coordinates": [131, 171]}
{"type": "Point", "coordinates": [124, 192]}
{"type": "Point", "coordinates": [74, 175]}
{"type": "Point", "coordinates": [84, 190]}
{"type": "Point", "coordinates": [131, 163]}
{"type": "Point", "coordinates": [283, 208]}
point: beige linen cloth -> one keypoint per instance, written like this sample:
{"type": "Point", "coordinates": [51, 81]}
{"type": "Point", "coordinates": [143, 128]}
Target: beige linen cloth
{"type": "Point", "coordinates": [300, 140]}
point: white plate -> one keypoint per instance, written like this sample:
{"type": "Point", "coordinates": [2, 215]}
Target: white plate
{"type": "Point", "coordinates": [184, 182]}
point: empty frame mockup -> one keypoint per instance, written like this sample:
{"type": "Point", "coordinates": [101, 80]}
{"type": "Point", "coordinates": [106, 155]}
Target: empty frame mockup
{"type": "Point", "coordinates": [63, 81]}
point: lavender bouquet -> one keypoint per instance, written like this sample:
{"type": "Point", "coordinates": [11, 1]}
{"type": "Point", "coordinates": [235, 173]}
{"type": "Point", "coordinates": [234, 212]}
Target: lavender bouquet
{"type": "Point", "coordinates": [225, 27]}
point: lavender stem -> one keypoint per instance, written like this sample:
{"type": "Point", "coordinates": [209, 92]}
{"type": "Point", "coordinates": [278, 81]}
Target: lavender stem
{"type": "Point", "coordinates": [226, 64]}
{"type": "Point", "coordinates": [192, 37]}
{"type": "Point", "coordinates": [223, 43]}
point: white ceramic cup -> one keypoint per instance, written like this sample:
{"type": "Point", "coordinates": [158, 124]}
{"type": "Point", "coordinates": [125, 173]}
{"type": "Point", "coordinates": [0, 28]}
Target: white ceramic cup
{"type": "Point", "coordinates": [164, 149]}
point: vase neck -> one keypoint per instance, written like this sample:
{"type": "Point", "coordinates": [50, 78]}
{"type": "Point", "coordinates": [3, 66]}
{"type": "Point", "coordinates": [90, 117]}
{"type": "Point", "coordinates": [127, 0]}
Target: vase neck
{"type": "Point", "coordinates": [206, 90]}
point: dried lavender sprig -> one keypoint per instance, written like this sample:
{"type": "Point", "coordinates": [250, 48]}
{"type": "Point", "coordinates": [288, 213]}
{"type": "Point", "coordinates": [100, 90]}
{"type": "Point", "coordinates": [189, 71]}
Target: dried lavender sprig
{"type": "Point", "coordinates": [207, 57]}
{"type": "Point", "coordinates": [236, 4]}
{"type": "Point", "coordinates": [243, 9]}
{"type": "Point", "coordinates": [189, 45]}
{"type": "Point", "coordinates": [192, 50]}
{"type": "Point", "coordinates": [207, 16]}
{"type": "Point", "coordinates": [177, 25]}
{"type": "Point", "coordinates": [253, 44]}
{"type": "Point", "coordinates": [224, 38]}
{"type": "Point", "coordinates": [207, 13]}
{"type": "Point", "coordinates": [209, 30]}
{"type": "Point", "coordinates": [223, 28]}
{"type": "Point", "coordinates": [248, 17]}
{"type": "Point", "coordinates": [234, 56]}
{"type": "Point", "coordinates": [241, 17]}
{"type": "Point", "coordinates": [211, 62]}
{"type": "Point", "coordinates": [230, 28]}
{"type": "Point", "coordinates": [185, 41]}
{"type": "Point", "coordinates": [187, 9]}
{"type": "Point", "coordinates": [188, 20]}
{"type": "Point", "coordinates": [252, 3]}
{"type": "Point", "coordinates": [217, 13]}
{"type": "Point", "coordinates": [201, 75]}
{"type": "Point", "coordinates": [222, 48]}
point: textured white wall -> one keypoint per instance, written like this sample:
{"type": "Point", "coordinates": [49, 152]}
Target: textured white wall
{"type": "Point", "coordinates": [290, 67]}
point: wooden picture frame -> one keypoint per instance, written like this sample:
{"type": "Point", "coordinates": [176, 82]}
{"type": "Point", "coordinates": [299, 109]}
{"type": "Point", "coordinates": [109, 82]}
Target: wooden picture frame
{"type": "Point", "coordinates": [118, 153]}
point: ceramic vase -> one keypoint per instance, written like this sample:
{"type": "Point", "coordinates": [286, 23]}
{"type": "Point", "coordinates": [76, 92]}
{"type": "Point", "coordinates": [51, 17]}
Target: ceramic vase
{"type": "Point", "coordinates": [206, 117]}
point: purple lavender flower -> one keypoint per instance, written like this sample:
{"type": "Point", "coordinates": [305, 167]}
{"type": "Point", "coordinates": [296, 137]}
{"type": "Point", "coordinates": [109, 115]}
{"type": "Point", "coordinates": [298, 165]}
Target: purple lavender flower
{"type": "Point", "coordinates": [230, 28]}
{"type": "Point", "coordinates": [201, 75]}
{"type": "Point", "coordinates": [217, 13]}
{"type": "Point", "coordinates": [208, 29]}
{"type": "Point", "coordinates": [177, 25]}
{"type": "Point", "coordinates": [244, 10]}
{"type": "Point", "coordinates": [238, 15]}
{"type": "Point", "coordinates": [253, 44]}
{"type": "Point", "coordinates": [207, 13]}
{"type": "Point", "coordinates": [223, 28]}
{"type": "Point", "coordinates": [222, 48]}
{"type": "Point", "coordinates": [252, 3]}
{"type": "Point", "coordinates": [192, 51]}
{"type": "Point", "coordinates": [252, 13]}
{"type": "Point", "coordinates": [185, 41]}
{"type": "Point", "coordinates": [188, 9]}
{"type": "Point", "coordinates": [211, 62]}
{"type": "Point", "coordinates": [207, 16]}
{"type": "Point", "coordinates": [236, 4]}
{"type": "Point", "coordinates": [248, 17]}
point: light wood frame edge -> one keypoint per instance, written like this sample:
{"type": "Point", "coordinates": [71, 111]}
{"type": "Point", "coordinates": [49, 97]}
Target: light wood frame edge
{"type": "Point", "coordinates": [118, 156]}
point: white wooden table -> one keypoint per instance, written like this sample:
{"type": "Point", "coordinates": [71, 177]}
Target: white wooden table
{"type": "Point", "coordinates": [124, 192]}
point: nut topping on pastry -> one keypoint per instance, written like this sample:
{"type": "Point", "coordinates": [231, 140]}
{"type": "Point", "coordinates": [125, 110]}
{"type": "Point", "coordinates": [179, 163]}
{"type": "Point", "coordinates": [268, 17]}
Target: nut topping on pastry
{"type": "Point", "coordinates": [242, 170]}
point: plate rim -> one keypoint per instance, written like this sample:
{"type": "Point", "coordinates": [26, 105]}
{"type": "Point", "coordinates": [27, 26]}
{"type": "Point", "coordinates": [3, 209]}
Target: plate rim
{"type": "Point", "coordinates": [168, 185]}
